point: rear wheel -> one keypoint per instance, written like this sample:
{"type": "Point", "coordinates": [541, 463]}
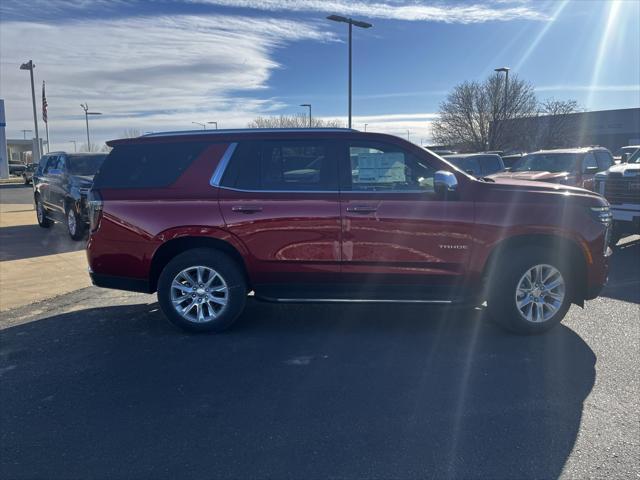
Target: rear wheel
{"type": "Point", "coordinates": [41, 214]}
{"type": "Point", "coordinates": [202, 290]}
{"type": "Point", "coordinates": [531, 292]}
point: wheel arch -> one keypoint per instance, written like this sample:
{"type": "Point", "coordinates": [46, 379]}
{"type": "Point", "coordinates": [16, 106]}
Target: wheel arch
{"type": "Point", "coordinates": [578, 258]}
{"type": "Point", "coordinates": [177, 245]}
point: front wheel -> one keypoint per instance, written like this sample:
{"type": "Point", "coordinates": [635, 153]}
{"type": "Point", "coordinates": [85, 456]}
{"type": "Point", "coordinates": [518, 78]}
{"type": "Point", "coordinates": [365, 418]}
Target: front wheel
{"type": "Point", "coordinates": [41, 214]}
{"type": "Point", "coordinates": [531, 292]}
{"type": "Point", "coordinates": [75, 226]}
{"type": "Point", "coordinates": [202, 290]}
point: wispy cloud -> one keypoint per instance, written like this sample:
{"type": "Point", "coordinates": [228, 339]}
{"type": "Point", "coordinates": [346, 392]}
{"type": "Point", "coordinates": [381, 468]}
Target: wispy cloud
{"type": "Point", "coordinates": [413, 11]}
{"type": "Point", "coordinates": [147, 73]}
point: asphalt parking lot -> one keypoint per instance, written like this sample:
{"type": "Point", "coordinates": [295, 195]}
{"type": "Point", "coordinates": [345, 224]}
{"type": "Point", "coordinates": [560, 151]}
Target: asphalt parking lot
{"type": "Point", "coordinates": [95, 383]}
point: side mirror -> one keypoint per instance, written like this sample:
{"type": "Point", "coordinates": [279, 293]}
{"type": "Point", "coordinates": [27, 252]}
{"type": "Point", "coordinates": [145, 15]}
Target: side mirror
{"type": "Point", "coordinates": [591, 170]}
{"type": "Point", "coordinates": [445, 183]}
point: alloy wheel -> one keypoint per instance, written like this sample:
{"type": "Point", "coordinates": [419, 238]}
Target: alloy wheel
{"type": "Point", "coordinates": [540, 293]}
{"type": "Point", "coordinates": [199, 294]}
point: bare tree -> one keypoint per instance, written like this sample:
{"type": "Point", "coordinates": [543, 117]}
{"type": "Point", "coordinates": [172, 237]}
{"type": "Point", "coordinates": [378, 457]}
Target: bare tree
{"type": "Point", "coordinates": [475, 115]}
{"type": "Point", "coordinates": [299, 120]}
{"type": "Point", "coordinates": [556, 125]}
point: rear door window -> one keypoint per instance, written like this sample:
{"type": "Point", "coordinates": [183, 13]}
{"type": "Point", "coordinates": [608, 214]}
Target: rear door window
{"type": "Point", "coordinates": [589, 160]}
{"type": "Point", "coordinates": [150, 165]}
{"type": "Point", "coordinates": [287, 165]}
{"type": "Point", "coordinates": [52, 163]}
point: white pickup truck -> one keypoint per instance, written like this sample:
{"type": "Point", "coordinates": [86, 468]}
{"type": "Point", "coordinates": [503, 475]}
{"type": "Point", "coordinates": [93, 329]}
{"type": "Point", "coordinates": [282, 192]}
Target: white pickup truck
{"type": "Point", "coordinates": [620, 185]}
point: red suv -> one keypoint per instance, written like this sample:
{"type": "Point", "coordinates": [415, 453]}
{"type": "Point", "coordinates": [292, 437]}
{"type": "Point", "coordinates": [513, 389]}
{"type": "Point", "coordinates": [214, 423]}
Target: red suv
{"type": "Point", "coordinates": [335, 215]}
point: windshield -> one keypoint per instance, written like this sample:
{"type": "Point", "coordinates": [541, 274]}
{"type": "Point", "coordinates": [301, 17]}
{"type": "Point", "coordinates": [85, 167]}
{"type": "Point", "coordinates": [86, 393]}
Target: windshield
{"type": "Point", "coordinates": [635, 158]}
{"type": "Point", "coordinates": [85, 164]}
{"type": "Point", "coordinates": [547, 162]}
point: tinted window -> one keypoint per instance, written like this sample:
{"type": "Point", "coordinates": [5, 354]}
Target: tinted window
{"type": "Point", "coordinates": [469, 165]}
{"type": "Point", "coordinates": [52, 162]}
{"type": "Point", "coordinates": [603, 159]}
{"type": "Point", "coordinates": [283, 165]}
{"type": "Point", "coordinates": [85, 164]}
{"type": "Point", "coordinates": [491, 164]}
{"type": "Point", "coordinates": [386, 167]}
{"type": "Point", "coordinates": [589, 161]}
{"type": "Point", "coordinates": [147, 165]}
{"type": "Point", "coordinates": [547, 162]}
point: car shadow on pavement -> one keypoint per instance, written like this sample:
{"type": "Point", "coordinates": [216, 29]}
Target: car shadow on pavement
{"type": "Point", "coordinates": [624, 268]}
{"type": "Point", "coordinates": [291, 391]}
{"type": "Point", "coordinates": [27, 241]}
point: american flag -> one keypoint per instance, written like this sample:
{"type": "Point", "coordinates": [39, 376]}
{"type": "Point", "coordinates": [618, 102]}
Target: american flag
{"type": "Point", "coordinates": [44, 105]}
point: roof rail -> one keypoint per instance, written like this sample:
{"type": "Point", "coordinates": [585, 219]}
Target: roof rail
{"type": "Point", "coordinates": [245, 130]}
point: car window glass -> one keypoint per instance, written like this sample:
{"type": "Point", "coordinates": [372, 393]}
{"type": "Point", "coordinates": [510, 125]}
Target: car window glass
{"type": "Point", "coordinates": [386, 167]}
{"type": "Point", "coordinates": [287, 165]}
{"type": "Point", "coordinates": [589, 161]}
{"type": "Point", "coordinates": [491, 164]}
{"type": "Point", "coordinates": [61, 164]}
{"type": "Point", "coordinates": [52, 163]}
{"type": "Point", "coordinates": [604, 160]}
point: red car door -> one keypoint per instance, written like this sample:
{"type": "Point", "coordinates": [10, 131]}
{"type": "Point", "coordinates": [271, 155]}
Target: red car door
{"type": "Point", "coordinates": [280, 199]}
{"type": "Point", "coordinates": [395, 230]}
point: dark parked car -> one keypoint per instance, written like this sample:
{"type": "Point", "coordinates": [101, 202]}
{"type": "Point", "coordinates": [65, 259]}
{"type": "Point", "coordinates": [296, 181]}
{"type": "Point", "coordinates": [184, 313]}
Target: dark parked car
{"type": "Point", "coordinates": [572, 166]}
{"type": "Point", "coordinates": [335, 215]}
{"type": "Point", "coordinates": [477, 164]}
{"type": "Point", "coordinates": [510, 160]}
{"type": "Point", "coordinates": [27, 174]}
{"type": "Point", "coordinates": [60, 186]}
{"type": "Point", "coordinates": [16, 168]}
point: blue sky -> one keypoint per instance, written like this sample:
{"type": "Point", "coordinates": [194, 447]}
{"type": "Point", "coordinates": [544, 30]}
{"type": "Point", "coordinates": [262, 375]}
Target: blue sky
{"type": "Point", "coordinates": [161, 65]}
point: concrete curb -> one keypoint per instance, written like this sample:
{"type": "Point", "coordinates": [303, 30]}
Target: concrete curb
{"type": "Point", "coordinates": [11, 180]}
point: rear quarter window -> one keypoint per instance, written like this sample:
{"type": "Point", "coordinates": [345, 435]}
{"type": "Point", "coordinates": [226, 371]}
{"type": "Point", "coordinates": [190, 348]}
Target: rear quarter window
{"type": "Point", "coordinates": [150, 165]}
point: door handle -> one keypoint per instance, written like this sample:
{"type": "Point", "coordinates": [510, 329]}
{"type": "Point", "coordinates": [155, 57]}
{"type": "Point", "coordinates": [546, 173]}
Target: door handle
{"type": "Point", "coordinates": [362, 209]}
{"type": "Point", "coordinates": [246, 209]}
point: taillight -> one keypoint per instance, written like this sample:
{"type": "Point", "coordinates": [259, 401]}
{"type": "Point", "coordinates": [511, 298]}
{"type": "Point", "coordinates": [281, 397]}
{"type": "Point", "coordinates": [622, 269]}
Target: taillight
{"type": "Point", "coordinates": [95, 209]}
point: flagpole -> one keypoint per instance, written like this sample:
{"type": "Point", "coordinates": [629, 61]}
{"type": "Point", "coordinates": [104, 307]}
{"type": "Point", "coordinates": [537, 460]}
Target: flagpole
{"type": "Point", "coordinates": [45, 115]}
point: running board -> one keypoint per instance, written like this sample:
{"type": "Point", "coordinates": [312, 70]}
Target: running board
{"type": "Point", "coordinates": [349, 300]}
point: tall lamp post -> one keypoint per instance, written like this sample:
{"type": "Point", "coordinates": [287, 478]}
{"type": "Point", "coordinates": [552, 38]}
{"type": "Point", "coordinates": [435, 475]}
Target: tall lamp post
{"type": "Point", "coordinates": [203, 125]}
{"type": "Point", "coordinates": [308, 105]}
{"type": "Point", "coordinates": [506, 92]}
{"type": "Point", "coordinates": [85, 107]}
{"type": "Point", "coordinates": [24, 133]}
{"type": "Point", "coordinates": [351, 22]}
{"type": "Point", "coordinates": [213, 123]}
{"type": "Point", "coordinates": [30, 66]}
{"type": "Point", "coordinates": [365, 126]}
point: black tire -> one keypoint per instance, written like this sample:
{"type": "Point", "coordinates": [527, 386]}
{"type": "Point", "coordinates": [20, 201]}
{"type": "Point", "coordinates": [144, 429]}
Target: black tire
{"type": "Point", "coordinates": [41, 214]}
{"type": "Point", "coordinates": [231, 274]}
{"type": "Point", "coordinates": [502, 306]}
{"type": "Point", "coordinates": [75, 225]}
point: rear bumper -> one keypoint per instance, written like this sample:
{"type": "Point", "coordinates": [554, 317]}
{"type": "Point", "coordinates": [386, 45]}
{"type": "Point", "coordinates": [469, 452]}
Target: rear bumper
{"type": "Point", "coordinates": [120, 283]}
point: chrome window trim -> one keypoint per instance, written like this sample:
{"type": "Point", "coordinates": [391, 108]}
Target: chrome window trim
{"type": "Point", "coordinates": [222, 165]}
{"type": "Point", "coordinates": [320, 191]}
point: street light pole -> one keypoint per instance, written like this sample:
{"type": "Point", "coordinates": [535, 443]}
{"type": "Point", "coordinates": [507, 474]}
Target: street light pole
{"type": "Point", "coordinates": [351, 22]}
{"type": "Point", "coordinates": [214, 123]}
{"type": "Point", "coordinates": [85, 107]}
{"type": "Point", "coordinates": [24, 133]}
{"type": "Point", "coordinates": [407, 135]}
{"type": "Point", "coordinates": [30, 66]}
{"type": "Point", "coordinates": [506, 92]}
{"type": "Point", "coordinates": [365, 126]}
{"type": "Point", "coordinates": [308, 105]}
{"type": "Point", "coordinates": [203, 125]}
